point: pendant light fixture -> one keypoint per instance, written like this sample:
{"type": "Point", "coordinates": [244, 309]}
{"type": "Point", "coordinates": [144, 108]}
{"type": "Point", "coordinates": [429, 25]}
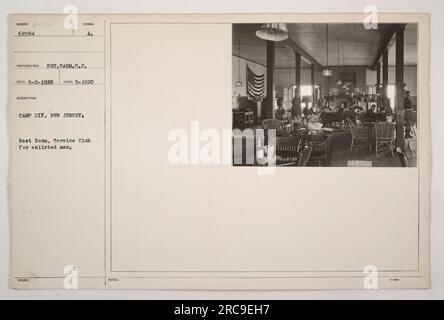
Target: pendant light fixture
{"type": "Point", "coordinates": [327, 71]}
{"type": "Point", "coordinates": [273, 32]}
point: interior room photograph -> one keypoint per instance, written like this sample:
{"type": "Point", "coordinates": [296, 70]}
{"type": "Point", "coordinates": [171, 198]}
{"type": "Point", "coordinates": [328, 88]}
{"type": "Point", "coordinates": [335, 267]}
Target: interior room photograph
{"type": "Point", "coordinates": [335, 94]}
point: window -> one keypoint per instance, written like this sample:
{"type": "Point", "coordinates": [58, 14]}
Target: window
{"type": "Point", "coordinates": [391, 94]}
{"type": "Point", "coordinates": [306, 91]}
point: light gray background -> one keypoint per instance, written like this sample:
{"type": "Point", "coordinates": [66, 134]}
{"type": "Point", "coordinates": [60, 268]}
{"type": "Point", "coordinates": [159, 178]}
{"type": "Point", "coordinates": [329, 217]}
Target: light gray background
{"type": "Point", "coordinates": [434, 7]}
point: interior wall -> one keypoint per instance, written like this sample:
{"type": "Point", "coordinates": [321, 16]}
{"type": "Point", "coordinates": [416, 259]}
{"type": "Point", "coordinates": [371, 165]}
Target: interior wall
{"type": "Point", "coordinates": [356, 74]}
{"type": "Point", "coordinates": [371, 77]}
{"type": "Point", "coordinates": [287, 77]}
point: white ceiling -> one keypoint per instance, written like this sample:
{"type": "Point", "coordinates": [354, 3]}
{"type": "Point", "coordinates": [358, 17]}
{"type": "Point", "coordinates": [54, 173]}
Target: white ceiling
{"type": "Point", "coordinates": [348, 44]}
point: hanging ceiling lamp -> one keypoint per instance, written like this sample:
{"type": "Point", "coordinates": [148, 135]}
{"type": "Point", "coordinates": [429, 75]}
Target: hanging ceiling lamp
{"type": "Point", "coordinates": [327, 71]}
{"type": "Point", "coordinates": [273, 32]}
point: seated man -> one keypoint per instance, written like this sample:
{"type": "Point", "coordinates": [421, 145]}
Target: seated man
{"type": "Point", "coordinates": [350, 114]}
{"type": "Point", "coordinates": [371, 115]}
{"type": "Point", "coordinates": [359, 113]}
{"type": "Point", "coordinates": [341, 108]}
{"type": "Point", "coordinates": [384, 112]}
{"type": "Point", "coordinates": [307, 111]}
{"type": "Point", "coordinates": [358, 109]}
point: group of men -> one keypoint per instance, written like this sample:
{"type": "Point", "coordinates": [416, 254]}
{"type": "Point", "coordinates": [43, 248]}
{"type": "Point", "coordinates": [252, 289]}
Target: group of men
{"type": "Point", "coordinates": [356, 112]}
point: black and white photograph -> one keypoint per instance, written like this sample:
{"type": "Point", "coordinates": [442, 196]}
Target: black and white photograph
{"type": "Point", "coordinates": [325, 94]}
{"type": "Point", "coordinates": [153, 152]}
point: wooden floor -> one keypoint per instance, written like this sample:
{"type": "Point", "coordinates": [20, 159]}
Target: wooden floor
{"type": "Point", "coordinates": [341, 154]}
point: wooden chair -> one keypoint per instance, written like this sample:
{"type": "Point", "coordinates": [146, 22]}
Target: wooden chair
{"type": "Point", "coordinates": [304, 156]}
{"type": "Point", "coordinates": [412, 147]}
{"type": "Point", "coordinates": [384, 136]}
{"type": "Point", "coordinates": [287, 148]}
{"type": "Point", "coordinates": [410, 118]}
{"type": "Point", "coordinates": [321, 146]}
{"type": "Point", "coordinates": [402, 157]}
{"type": "Point", "coordinates": [290, 145]}
{"type": "Point", "coordinates": [322, 152]}
{"type": "Point", "coordinates": [359, 134]}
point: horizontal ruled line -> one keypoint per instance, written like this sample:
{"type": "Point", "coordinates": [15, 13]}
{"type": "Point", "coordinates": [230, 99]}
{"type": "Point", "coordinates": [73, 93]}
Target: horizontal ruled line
{"type": "Point", "coordinates": [58, 84]}
{"type": "Point", "coordinates": [42, 68]}
{"type": "Point", "coordinates": [59, 52]}
{"type": "Point", "coordinates": [59, 36]}
{"type": "Point", "coordinates": [231, 277]}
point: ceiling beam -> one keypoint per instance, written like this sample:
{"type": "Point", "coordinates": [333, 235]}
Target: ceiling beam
{"type": "Point", "coordinates": [386, 41]}
{"type": "Point", "coordinates": [297, 49]}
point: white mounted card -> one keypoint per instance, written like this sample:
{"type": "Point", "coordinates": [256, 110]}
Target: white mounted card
{"type": "Point", "coordinates": [132, 165]}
